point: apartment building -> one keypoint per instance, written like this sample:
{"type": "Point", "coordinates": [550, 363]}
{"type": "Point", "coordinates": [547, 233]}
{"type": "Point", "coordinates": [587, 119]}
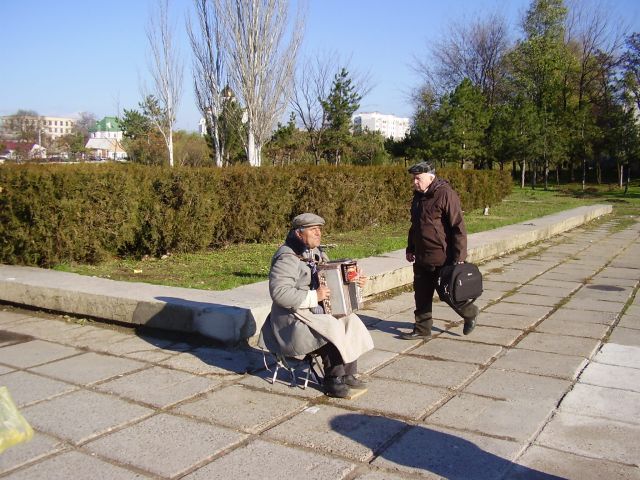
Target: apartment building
{"type": "Point", "coordinates": [389, 126]}
{"type": "Point", "coordinates": [51, 127]}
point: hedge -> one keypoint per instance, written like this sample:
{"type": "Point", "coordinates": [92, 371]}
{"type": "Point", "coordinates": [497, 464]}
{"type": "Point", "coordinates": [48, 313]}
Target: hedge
{"type": "Point", "coordinates": [56, 213]}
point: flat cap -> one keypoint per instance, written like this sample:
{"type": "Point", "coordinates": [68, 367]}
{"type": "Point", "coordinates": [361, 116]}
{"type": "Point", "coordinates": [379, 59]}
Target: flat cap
{"type": "Point", "coordinates": [305, 220]}
{"type": "Point", "coordinates": [422, 167]}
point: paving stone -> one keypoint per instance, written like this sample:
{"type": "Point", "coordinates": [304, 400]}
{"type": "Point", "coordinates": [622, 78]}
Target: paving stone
{"type": "Point", "coordinates": [74, 465]}
{"type": "Point", "coordinates": [371, 317]}
{"type": "Point", "coordinates": [374, 359]}
{"type": "Point", "coordinates": [262, 380]}
{"type": "Point", "coordinates": [442, 311]}
{"type": "Point", "coordinates": [345, 433]}
{"type": "Point", "coordinates": [48, 329]}
{"type": "Point", "coordinates": [4, 370]}
{"type": "Point", "coordinates": [445, 349]}
{"type": "Point", "coordinates": [618, 272]}
{"type": "Point", "coordinates": [428, 372]}
{"type": "Point", "coordinates": [573, 315]}
{"type": "Point", "coordinates": [607, 293]}
{"type": "Point", "coordinates": [216, 361]}
{"type": "Point", "coordinates": [382, 396]}
{"type": "Point", "coordinates": [560, 285]}
{"type": "Point", "coordinates": [518, 386]}
{"type": "Point", "coordinates": [518, 322]}
{"type": "Point", "coordinates": [27, 388]}
{"type": "Point", "coordinates": [391, 343]}
{"type": "Point", "coordinates": [630, 321]}
{"type": "Point", "coordinates": [531, 299]}
{"type": "Point", "coordinates": [625, 336]}
{"type": "Point", "coordinates": [10, 316]}
{"type": "Point", "coordinates": [513, 419]}
{"type": "Point", "coordinates": [88, 336]}
{"type": "Point", "coordinates": [497, 286]}
{"type": "Point", "coordinates": [595, 305]}
{"type": "Point", "coordinates": [541, 363]}
{"type": "Point", "coordinates": [555, 325]}
{"type": "Point", "coordinates": [157, 386]}
{"type": "Point", "coordinates": [435, 452]}
{"type": "Point", "coordinates": [88, 368]}
{"type": "Point", "coordinates": [485, 334]}
{"type": "Point", "coordinates": [540, 462]}
{"type": "Point", "coordinates": [38, 447]}
{"type": "Point", "coordinates": [11, 338]}
{"type": "Point", "coordinates": [268, 461]}
{"type": "Point", "coordinates": [378, 475]}
{"type": "Point", "coordinates": [551, 290]}
{"type": "Point", "coordinates": [241, 408]}
{"type": "Point", "coordinates": [611, 376]}
{"type": "Point", "coordinates": [98, 413]}
{"type": "Point", "coordinates": [534, 312]}
{"type": "Point", "coordinates": [592, 437]}
{"type": "Point", "coordinates": [399, 303]}
{"type": "Point", "coordinates": [544, 342]}
{"type": "Point", "coordinates": [623, 355]}
{"type": "Point", "coordinates": [597, 401]}
{"type": "Point", "coordinates": [618, 282]}
{"type": "Point", "coordinates": [35, 352]}
{"type": "Point", "coordinates": [139, 348]}
{"type": "Point", "coordinates": [166, 445]}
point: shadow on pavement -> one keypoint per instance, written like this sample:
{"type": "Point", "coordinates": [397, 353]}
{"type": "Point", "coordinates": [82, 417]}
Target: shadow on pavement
{"type": "Point", "coordinates": [422, 449]}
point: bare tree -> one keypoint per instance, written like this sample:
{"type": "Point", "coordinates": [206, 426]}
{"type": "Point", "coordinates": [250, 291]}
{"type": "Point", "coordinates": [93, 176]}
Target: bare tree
{"type": "Point", "coordinates": [262, 58]}
{"type": "Point", "coordinates": [475, 51]}
{"type": "Point", "coordinates": [166, 70]}
{"type": "Point", "coordinates": [209, 71]}
{"type": "Point", "coordinates": [312, 85]}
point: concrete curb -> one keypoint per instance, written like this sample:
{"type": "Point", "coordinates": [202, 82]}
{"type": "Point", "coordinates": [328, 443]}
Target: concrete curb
{"type": "Point", "coordinates": [232, 315]}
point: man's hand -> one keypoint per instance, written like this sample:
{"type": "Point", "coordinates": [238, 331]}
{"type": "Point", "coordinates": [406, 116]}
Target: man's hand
{"type": "Point", "coordinates": [323, 293]}
{"type": "Point", "coordinates": [410, 257]}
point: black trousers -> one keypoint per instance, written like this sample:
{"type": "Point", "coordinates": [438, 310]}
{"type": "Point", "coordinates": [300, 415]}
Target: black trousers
{"type": "Point", "coordinates": [425, 280]}
{"type": "Point", "coordinates": [332, 362]}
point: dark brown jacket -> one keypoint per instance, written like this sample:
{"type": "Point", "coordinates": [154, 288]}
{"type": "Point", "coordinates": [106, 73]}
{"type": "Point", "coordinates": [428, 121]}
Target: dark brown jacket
{"type": "Point", "coordinates": [437, 235]}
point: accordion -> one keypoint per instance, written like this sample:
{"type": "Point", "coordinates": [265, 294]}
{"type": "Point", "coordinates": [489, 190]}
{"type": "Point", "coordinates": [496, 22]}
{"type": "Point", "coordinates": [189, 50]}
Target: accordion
{"type": "Point", "coordinates": [341, 277]}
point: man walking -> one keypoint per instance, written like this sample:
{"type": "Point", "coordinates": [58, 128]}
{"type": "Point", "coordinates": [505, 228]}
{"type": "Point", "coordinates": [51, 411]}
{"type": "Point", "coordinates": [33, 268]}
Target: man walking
{"type": "Point", "coordinates": [437, 237]}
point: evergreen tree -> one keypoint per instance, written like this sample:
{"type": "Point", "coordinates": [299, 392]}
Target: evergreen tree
{"type": "Point", "coordinates": [341, 103]}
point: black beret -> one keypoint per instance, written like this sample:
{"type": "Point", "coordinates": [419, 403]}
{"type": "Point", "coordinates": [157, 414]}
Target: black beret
{"type": "Point", "coordinates": [422, 167]}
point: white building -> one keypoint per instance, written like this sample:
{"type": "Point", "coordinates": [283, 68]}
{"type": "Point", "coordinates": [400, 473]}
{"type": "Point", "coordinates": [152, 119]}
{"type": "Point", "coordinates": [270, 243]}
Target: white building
{"type": "Point", "coordinates": [389, 126]}
{"type": "Point", "coordinates": [105, 140]}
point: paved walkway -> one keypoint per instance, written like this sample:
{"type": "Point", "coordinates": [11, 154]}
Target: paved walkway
{"type": "Point", "coordinates": [547, 386]}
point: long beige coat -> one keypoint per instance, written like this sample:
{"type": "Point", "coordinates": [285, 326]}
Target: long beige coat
{"type": "Point", "coordinates": [290, 330]}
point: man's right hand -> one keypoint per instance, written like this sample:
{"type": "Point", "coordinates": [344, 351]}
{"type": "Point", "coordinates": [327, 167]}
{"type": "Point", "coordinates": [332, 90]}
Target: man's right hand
{"type": "Point", "coordinates": [410, 257]}
{"type": "Point", "coordinates": [323, 293]}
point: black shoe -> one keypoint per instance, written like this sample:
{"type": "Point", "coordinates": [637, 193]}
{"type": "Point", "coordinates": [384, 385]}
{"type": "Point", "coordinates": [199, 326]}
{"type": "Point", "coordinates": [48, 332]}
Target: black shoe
{"type": "Point", "coordinates": [353, 382]}
{"type": "Point", "coordinates": [415, 335]}
{"type": "Point", "coordinates": [335, 387]}
{"type": "Point", "coordinates": [469, 325]}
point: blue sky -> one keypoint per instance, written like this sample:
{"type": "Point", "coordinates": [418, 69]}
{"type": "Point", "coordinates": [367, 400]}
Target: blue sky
{"type": "Point", "coordinates": [67, 56]}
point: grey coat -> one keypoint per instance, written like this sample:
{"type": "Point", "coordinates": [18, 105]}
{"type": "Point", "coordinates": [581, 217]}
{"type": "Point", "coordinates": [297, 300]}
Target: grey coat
{"type": "Point", "coordinates": [291, 330]}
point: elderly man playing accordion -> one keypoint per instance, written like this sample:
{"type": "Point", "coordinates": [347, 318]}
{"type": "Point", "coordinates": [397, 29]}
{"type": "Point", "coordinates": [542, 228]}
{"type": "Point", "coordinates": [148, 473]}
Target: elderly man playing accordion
{"type": "Point", "coordinates": [298, 324]}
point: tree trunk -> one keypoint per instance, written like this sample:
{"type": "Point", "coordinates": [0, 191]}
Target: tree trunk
{"type": "Point", "coordinates": [170, 145]}
{"type": "Point", "coordinates": [584, 172]}
{"type": "Point", "coordinates": [253, 155]}
{"type": "Point", "coordinates": [599, 172]}
{"type": "Point", "coordinates": [626, 184]}
{"type": "Point", "coordinates": [524, 166]}
{"type": "Point", "coordinates": [620, 174]}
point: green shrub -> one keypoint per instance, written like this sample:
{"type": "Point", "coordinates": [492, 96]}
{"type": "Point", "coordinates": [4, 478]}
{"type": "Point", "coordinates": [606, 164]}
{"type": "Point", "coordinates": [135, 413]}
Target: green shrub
{"type": "Point", "coordinates": [55, 213]}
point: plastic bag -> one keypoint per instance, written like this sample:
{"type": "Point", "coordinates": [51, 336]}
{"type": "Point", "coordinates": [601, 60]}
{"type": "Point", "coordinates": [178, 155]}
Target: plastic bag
{"type": "Point", "coordinates": [14, 428]}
